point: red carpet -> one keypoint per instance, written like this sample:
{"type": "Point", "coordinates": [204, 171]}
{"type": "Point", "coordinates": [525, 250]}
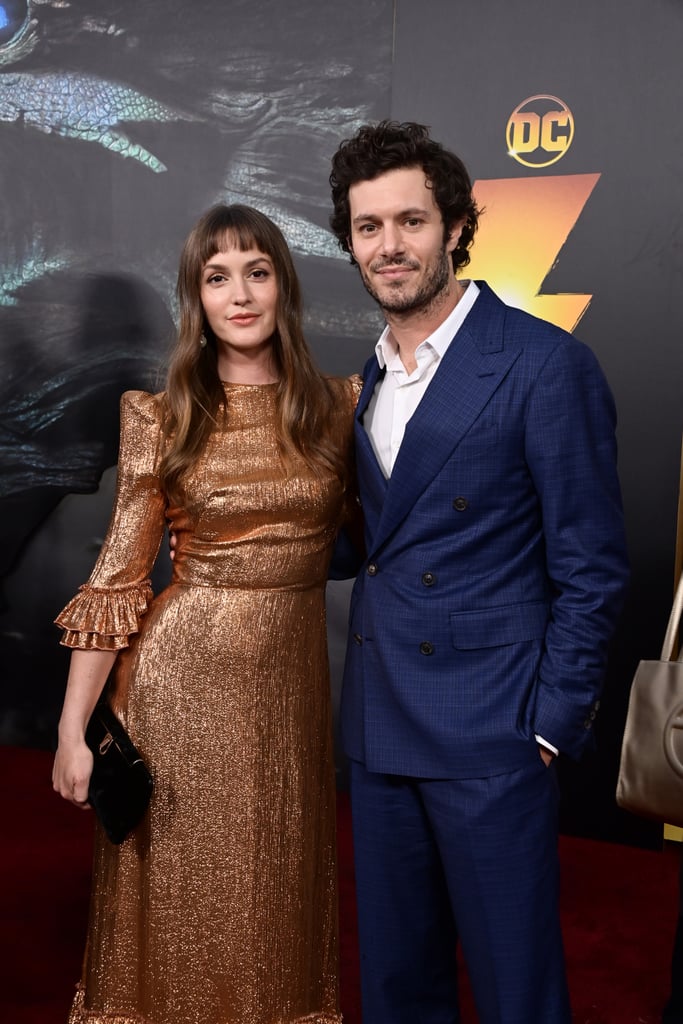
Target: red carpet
{"type": "Point", "coordinates": [618, 905]}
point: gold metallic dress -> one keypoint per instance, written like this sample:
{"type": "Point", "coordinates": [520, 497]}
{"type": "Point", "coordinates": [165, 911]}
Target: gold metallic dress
{"type": "Point", "coordinates": [221, 907]}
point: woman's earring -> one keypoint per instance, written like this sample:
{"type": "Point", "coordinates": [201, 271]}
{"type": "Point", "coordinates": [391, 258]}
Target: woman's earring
{"type": "Point", "coordinates": [202, 340]}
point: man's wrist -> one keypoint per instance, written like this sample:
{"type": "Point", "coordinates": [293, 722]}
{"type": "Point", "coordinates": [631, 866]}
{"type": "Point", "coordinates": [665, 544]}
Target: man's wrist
{"type": "Point", "coordinates": [548, 746]}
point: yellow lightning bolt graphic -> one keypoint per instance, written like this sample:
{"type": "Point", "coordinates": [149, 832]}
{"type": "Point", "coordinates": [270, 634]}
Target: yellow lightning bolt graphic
{"type": "Point", "coordinates": [525, 224]}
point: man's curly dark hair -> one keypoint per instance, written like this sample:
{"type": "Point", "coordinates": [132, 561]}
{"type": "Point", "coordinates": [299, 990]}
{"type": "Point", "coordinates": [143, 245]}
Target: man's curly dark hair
{"type": "Point", "coordinates": [391, 145]}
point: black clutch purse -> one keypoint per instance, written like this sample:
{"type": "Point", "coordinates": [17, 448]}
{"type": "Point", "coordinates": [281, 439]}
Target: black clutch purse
{"type": "Point", "coordinates": [120, 785]}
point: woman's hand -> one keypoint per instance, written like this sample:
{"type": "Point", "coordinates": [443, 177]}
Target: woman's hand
{"type": "Point", "coordinates": [71, 771]}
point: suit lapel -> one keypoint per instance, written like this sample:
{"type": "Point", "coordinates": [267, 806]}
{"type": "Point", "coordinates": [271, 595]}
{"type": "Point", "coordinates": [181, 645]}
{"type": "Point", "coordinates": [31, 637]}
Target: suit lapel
{"type": "Point", "coordinates": [470, 372]}
{"type": "Point", "coordinates": [371, 476]}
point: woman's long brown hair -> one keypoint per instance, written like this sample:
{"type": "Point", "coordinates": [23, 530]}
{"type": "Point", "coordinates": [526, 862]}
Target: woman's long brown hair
{"type": "Point", "coordinates": [195, 399]}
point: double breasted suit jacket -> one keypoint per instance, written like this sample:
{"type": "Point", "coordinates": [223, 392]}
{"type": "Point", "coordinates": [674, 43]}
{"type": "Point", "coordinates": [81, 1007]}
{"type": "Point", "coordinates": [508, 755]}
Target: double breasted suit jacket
{"type": "Point", "coordinates": [496, 561]}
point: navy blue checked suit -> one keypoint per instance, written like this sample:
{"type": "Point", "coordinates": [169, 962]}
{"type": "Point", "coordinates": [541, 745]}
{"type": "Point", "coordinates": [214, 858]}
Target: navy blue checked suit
{"type": "Point", "coordinates": [495, 572]}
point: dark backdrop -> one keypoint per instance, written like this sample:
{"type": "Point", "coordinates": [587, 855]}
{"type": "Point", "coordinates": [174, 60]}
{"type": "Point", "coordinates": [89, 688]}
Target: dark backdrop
{"type": "Point", "coordinates": [119, 126]}
{"type": "Point", "coordinates": [613, 64]}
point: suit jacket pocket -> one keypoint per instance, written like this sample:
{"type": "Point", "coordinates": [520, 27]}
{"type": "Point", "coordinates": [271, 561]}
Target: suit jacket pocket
{"type": "Point", "coordinates": [495, 627]}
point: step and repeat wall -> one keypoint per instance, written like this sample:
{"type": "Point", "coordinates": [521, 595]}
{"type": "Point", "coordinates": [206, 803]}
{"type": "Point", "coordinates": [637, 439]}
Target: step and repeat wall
{"type": "Point", "coordinates": [567, 115]}
{"type": "Point", "coordinates": [120, 123]}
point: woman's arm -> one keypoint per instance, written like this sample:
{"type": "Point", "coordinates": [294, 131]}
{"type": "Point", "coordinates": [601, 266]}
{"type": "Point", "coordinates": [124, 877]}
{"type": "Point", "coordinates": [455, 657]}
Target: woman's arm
{"type": "Point", "coordinates": [73, 761]}
{"type": "Point", "coordinates": [99, 620]}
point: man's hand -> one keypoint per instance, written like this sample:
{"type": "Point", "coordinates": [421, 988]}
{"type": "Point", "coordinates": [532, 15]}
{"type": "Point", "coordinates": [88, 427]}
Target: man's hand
{"type": "Point", "coordinates": [547, 756]}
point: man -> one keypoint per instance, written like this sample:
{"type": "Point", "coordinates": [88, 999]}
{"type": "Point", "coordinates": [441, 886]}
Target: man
{"type": "Point", "coordinates": [480, 620]}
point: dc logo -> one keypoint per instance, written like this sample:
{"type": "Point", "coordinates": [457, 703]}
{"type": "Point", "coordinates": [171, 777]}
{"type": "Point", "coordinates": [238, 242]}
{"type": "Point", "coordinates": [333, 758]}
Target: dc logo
{"type": "Point", "coordinates": [673, 739]}
{"type": "Point", "coordinates": [540, 131]}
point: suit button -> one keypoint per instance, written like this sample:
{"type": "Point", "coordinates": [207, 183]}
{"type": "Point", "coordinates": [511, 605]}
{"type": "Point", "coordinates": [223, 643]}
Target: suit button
{"type": "Point", "coordinates": [588, 724]}
{"type": "Point", "coordinates": [429, 579]}
{"type": "Point", "coordinates": [358, 501]}
{"type": "Point", "coordinates": [426, 647]}
{"type": "Point", "coordinates": [460, 504]}
{"type": "Point", "coordinates": [372, 569]}
{"type": "Point", "coordinates": [358, 638]}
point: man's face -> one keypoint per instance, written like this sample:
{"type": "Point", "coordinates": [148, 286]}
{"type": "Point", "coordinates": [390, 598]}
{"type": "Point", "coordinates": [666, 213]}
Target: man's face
{"type": "Point", "coordinates": [397, 240]}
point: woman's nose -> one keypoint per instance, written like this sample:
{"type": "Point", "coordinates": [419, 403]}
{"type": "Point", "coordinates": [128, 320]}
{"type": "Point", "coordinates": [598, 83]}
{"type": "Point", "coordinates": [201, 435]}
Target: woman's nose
{"type": "Point", "coordinates": [240, 293]}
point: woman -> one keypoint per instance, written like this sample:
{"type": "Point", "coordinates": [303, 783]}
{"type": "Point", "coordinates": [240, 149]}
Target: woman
{"type": "Point", "coordinates": [220, 908]}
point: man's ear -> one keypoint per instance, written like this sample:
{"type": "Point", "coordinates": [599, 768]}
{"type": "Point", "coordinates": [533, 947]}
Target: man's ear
{"type": "Point", "coordinates": [454, 234]}
{"type": "Point", "coordinates": [350, 246]}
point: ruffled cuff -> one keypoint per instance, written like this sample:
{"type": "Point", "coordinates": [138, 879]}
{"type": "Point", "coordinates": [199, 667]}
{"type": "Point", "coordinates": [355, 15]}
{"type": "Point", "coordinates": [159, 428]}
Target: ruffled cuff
{"type": "Point", "coordinates": [103, 619]}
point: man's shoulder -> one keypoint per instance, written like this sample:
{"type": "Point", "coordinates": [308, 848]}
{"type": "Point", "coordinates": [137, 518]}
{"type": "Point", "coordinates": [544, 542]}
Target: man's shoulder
{"type": "Point", "coordinates": [516, 328]}
{"type": "Point", "coordinates": [489, 304]}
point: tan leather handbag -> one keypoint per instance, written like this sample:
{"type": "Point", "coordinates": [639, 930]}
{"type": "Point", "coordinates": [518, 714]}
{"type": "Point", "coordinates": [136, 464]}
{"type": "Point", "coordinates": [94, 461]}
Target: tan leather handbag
{"type": "Point", "coordinates": [651, 770]}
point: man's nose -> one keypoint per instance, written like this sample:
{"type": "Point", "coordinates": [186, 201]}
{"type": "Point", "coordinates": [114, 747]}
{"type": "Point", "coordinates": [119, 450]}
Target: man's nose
{"type": "Point", "coordinates": [392, 240]}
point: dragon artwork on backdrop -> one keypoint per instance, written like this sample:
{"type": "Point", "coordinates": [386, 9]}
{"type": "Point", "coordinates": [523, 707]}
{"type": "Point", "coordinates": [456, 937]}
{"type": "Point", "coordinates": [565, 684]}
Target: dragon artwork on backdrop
{"type": "Point", "coordinates": [120, 123]}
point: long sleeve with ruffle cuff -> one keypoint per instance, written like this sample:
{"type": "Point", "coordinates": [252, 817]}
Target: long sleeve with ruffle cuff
{"type": "Point", "coordinates": [103, 619]}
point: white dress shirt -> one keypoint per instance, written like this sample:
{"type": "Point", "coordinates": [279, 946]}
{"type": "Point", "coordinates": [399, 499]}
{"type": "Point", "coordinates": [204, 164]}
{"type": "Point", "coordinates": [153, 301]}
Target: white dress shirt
{"type": "Point", "coordinates": [398, 394]}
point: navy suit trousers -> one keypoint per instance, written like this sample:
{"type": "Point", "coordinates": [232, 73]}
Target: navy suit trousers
{"type": "Point", "coordinates": [468, 860]}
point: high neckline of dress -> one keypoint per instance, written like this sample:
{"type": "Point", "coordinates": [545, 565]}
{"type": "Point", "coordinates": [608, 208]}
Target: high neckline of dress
{"type": "Point", "coordinates": [234, 385]}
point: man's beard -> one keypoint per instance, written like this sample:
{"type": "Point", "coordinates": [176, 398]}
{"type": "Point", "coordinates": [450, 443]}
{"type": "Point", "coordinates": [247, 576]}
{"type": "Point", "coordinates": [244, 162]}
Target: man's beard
{"type": "Point", "coordinates": [432, 287]}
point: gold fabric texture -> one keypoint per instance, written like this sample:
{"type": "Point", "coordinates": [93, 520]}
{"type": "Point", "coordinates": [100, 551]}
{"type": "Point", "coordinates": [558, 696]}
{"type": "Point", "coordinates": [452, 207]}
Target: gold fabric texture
{"type": "Point", "coordinates": [221, 907]}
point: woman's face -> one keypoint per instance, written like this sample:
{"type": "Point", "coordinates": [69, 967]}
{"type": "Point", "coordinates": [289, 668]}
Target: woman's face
{"type": "Point", "coordinates": [239, 293]}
